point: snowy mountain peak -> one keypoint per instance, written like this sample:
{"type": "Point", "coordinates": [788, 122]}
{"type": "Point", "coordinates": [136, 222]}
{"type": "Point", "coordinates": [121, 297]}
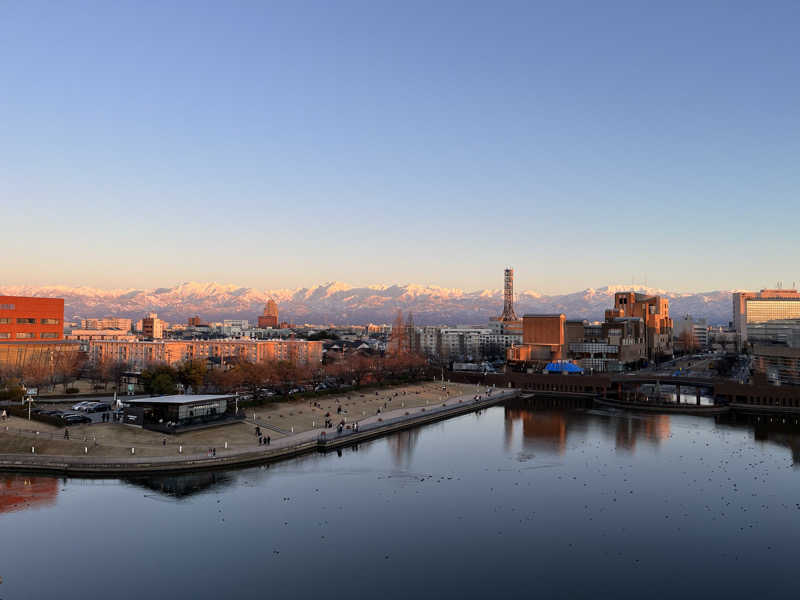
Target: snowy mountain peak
{"type": "Point", "coordinates": [341, 303]}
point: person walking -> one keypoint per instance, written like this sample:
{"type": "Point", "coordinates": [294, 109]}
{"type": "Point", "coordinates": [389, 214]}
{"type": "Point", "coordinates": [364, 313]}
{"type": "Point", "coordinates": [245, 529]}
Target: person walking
{"type": "Point", "coordinates": [268, 440]}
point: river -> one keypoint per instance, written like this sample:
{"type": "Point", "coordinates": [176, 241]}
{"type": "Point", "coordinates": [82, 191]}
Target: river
{"type": "Point", "coordinates": [508, 502]}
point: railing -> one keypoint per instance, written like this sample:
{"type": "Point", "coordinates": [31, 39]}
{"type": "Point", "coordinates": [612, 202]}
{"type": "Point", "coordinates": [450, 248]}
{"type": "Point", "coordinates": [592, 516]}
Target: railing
{"type": "Point", "coordinates": [445, 407]}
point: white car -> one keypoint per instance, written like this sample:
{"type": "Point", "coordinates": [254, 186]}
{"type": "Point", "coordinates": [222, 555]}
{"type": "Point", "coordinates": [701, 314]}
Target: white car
{"type": "Point", "coordinates": [80, 405]}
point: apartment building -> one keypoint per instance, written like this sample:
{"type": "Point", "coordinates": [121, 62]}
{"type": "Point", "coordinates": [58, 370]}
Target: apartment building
{"type": "Point", "coordinates": [138, 354]}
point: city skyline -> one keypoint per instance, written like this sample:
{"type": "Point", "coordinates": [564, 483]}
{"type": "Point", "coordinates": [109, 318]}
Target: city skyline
{"type": "Point", "coordinates": [581, 143]}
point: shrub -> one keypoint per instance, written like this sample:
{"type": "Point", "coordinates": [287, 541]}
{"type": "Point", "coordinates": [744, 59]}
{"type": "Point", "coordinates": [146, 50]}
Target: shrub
{"type": "Point", "coordinates": [72, 390]}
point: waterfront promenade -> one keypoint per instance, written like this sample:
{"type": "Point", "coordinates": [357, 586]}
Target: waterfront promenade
{"type": "Point", "coordinates": [280, 447]}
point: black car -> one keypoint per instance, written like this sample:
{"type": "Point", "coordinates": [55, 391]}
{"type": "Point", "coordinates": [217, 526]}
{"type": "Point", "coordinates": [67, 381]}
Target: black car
{"type": "Point", "coordinates": [99, 407]}
{"type": "Point", "coordinates": [75, 419]}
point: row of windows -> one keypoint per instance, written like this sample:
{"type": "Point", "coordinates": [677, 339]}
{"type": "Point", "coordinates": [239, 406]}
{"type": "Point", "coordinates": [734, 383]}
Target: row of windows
{"type": "Point", "coordinates": [27, 335]}
{"type": "Point", "coordinates": [29, 321]}
{"type": "Point", "coordinates": [7, 307]}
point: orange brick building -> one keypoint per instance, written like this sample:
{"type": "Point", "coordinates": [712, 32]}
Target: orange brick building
{"type": "Point", "coordinates": [31, 319]}
{"type": "Point", "coordinates": [653, 310]}
{"type": "Point", "coordinates": [543, 339]}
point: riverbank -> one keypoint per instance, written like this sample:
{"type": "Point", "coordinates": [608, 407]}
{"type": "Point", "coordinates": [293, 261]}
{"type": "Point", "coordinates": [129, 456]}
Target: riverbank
{"type": "Point", "coordinates": [664, 407]}
{"type": "Point", "coordinates": [287, 446]}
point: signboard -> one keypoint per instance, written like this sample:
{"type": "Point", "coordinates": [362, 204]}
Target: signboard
{"type": "Point", "coordinates": [32, 391]}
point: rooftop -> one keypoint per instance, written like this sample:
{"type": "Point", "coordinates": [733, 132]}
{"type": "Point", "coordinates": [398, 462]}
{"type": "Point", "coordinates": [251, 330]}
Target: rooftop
{"type": "Point", "coordinates": [179, 399]}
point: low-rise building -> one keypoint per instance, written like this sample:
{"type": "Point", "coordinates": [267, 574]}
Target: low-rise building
{"type": "Point", "coordinates": [107, 323]}
{"type": "Point", "coordinates": [690, 333]}
{"type": "Point", "coordinates": [100, 334]}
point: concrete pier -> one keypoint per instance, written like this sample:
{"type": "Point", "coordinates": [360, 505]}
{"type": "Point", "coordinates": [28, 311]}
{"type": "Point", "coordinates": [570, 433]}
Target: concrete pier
{"type": "Point", "coordinates": [281, 449]}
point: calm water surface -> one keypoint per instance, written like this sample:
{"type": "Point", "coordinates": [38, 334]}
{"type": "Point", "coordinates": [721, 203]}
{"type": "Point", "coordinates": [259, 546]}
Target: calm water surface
{"type": "Point", "coordinates": [509, 502]}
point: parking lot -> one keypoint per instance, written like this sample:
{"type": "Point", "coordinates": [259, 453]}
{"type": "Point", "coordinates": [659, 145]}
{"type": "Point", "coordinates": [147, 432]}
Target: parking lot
{"type": "Point", "coordinates": [96, 410]}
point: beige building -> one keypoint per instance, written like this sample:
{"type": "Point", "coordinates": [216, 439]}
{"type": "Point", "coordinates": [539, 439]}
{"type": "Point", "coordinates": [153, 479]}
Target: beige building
{"type": "Point", "coordinates": [152, 327]}
{"type": "Point", "coordinates": [107, 323]}
{"type": "Point", "coordinates": [100, 334]}
{"type": "Point", "coordinates": [139, 354]}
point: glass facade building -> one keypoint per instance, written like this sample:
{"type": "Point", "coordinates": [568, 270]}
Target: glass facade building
{"type": "Point", "coordinates": [779, 309]}
{"type": "Point", "coordinates": [751, 310]}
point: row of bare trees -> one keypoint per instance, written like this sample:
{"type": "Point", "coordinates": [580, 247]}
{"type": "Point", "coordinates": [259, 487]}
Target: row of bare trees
{"type": "Point", "coordinates": [280, 377]}
{"type": "Point", "coordinates": [348, 369]}
{"type": "Point", "coordinates": [44, 371]}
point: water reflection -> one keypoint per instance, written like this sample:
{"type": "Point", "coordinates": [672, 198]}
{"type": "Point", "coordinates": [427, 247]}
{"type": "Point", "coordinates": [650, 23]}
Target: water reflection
{"type": "Point", "coordinates": [780, 431]}
{"type": "Point", "coordinates": [183, 485]}
{"type": "Point", "coordinates": [524, 425]}
{"type": "Point", "coordinates": [402, 446]}
{"type": "Point", "coordinates": [547, 430]}
{"type": "Point", "coordinates": [20, 492]}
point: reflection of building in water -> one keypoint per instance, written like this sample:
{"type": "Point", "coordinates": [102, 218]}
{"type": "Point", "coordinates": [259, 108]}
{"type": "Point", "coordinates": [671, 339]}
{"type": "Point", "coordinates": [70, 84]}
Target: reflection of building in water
{"type": "Point", "coordinates": [181, 486]}
{"type": "Point", "coordinates": [545, 430]}
{"type": "Point", "coordinates": [402, 445]}
{"type": "Point", "coordinates": [654, 428]}
{"type": "Point", "coordinates": [771, 430]}
{"type": "Point", "coordinates": [20, 492]}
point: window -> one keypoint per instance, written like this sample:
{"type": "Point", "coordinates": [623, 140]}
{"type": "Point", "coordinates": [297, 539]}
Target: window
{"type": "Point", "coordinates": [26, 321]}
{"type": "Point", "coordinates": [22, 336]}
{"type": "Point", "coordinates": [48, 334]}
{"type": "Point", "coordinates": [4, 320]}
{"type": "Point", "coordinates": [49, 321]}
{"type": "Point", "coordinates": [4, 335]}
{"type": "Point", "coordinates": [7, 307]}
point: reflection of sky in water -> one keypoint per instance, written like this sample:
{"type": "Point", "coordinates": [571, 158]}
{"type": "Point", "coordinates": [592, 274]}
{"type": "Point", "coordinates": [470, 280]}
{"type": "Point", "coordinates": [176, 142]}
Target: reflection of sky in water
{"type": "Point", "coordinates": [570, 504]}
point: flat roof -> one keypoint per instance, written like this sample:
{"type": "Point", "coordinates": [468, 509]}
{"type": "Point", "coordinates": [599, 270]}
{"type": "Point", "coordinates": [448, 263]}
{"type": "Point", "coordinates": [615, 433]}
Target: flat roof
{"type": "Point", "coordinates": [179, 399]}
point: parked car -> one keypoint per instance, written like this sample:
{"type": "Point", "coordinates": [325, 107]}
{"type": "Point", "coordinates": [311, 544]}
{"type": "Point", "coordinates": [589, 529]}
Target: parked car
{"type": "Point", "coordinates": [80, 405]}
{"type": "Point", "coordinates": [99, 407]}
{"type": "Point", "coordinates": [87, 405]}
{"type": "Point", "coordinates": [75, 419]}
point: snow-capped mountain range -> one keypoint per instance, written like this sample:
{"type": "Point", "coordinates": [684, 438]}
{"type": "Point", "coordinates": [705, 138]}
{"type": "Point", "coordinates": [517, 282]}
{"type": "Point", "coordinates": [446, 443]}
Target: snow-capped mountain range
{"type": "Point", "coordinates": [339, 303]}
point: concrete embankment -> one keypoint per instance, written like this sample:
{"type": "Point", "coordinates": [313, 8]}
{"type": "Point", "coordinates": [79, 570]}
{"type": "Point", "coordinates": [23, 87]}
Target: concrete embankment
{"type": "Point", "coordinates": [663, 407]}
{"type": "Point", "coordinates": [289, 447]}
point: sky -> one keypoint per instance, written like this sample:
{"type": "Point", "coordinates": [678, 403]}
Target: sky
{"type": "Point", "coordinates": [285, 144]}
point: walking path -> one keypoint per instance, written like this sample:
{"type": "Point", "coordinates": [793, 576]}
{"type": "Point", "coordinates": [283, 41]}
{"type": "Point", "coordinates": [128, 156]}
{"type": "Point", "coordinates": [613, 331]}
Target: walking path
{"type": "Point", "coordinates": [281, 448]}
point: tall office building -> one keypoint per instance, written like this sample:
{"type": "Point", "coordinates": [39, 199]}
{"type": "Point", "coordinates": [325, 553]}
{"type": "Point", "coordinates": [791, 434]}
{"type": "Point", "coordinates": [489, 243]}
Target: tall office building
{"type": "Point", "coordinates": [270, 316]}
{"type": "Point", "coordinates": [751, 310]}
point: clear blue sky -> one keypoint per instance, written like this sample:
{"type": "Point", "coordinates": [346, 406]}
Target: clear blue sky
{"type": "Point", "coordinates": [286, 144]}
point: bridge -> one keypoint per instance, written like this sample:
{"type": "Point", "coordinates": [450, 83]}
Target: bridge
{"type": "Point", "coordinates": [743, 397]}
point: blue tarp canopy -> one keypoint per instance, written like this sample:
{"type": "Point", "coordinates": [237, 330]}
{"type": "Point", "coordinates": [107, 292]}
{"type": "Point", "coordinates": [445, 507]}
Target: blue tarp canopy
{"type": "Point", "coordinates": [562, 367]}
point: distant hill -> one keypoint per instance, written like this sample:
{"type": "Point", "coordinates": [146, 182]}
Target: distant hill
{"type": "Point", "coordinates": [339, 303]}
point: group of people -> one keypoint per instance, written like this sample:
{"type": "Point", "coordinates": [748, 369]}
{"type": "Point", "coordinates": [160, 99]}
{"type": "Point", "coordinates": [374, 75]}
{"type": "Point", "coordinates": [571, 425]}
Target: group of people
{"type": "Point", "coordinates": [212, 452]}
{"type": "Point", "coordinates": [263, 438]}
